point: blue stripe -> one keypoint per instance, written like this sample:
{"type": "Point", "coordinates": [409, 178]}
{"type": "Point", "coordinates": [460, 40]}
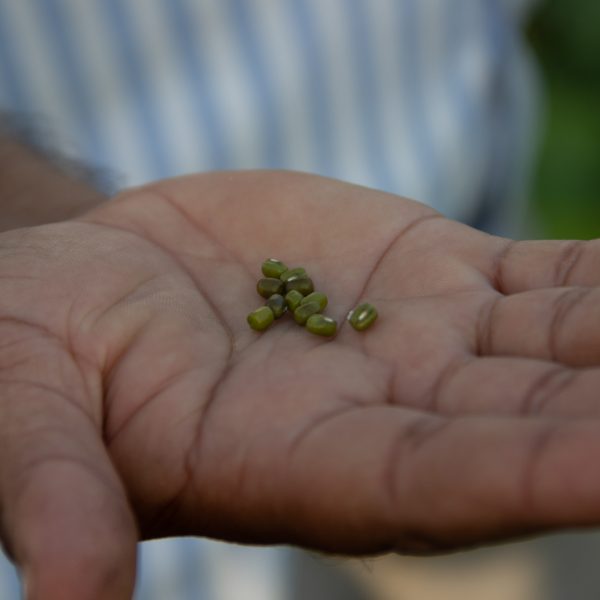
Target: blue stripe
{"type": "Point", "coordinates": [470, 110]}
{"type": "Point", "coordinates": [68, 66]}
{"type": "Point", "coordinates": [495, 179]}
{"type": "Point", "coordinates": [496, 34]}
{"type": "Point", "coordinates": [10, 587]}
{"type": "Point", "coordinates": [368, 93]}
{"type": "Point", "coordinates": [209, 120]}
{"type": "Point", "coordinates": [504, 45]}
{"type": "Point", "coordinates": [467, 113]}
{"type": "Point", "coordinates": [145, 107]}
{"type": "Point", "coordinates": [186, 562]}
{"type": "Point", "coordinates": [13, 91]}
{"type": "Point", "coordinates": [143, 584]}
{"type": "Point", "coordinates": [316, 82]}
{"type": "Point", "coordinates": [242, 21]}
{"type": "Point", "coordinates": [467, 110]}
{"type": "Point", "coordinates": [192, 569]}
{"type": "Point", "coordinates": [500, 127]}
{"type": "Point", "coordinates": [419, 127]}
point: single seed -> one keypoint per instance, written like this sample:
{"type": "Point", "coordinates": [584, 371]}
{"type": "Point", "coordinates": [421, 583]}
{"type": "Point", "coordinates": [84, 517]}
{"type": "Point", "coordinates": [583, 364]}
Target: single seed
{"type": "Point", "coordinates": [268, 286]}
{"type": "Point", "coordinates": [304, 311]}
{"type": "Point", "coordinates": [273, 268]}
{"type": "Point", "coordinates": [277, 304]}
{"type": "Point", "coordinates": [303, 284]}
{"type": "Point", "coordinates": [321, 325]}
{"type": "Point", "coordinates": [293, 299]}
{"type": "Point", "coordinates": [260, 318]}
{"type": "Point", "coordinates": [319, 297]}
{"type": "Point", "coordinates": [363, 316]}
{"type": "Point", "coordinates": [293, 274]}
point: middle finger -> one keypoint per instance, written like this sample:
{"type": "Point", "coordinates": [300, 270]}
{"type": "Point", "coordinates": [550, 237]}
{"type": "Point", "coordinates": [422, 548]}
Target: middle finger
{"type": "Point", "coordinates": [557, 324]}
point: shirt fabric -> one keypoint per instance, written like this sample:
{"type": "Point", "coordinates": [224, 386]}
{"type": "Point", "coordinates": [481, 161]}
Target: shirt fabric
{"type": "Point", "coordinates": [430, 99]}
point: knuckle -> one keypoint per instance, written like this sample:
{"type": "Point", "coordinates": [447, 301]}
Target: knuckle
{"type": "Point", "coordinates": [564, 307]}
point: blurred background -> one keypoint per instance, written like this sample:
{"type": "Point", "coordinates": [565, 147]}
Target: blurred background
{"type": "Point", "coordinates": [566, 41]}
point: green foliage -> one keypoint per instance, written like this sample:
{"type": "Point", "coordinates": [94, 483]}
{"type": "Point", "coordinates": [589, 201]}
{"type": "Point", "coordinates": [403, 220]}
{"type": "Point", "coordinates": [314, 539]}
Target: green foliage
{"type": "Point", "coordinates": [566, 192]}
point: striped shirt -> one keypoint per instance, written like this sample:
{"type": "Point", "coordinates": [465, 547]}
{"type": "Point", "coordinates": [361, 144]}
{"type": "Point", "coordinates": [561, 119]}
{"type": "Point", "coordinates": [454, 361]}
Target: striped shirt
{"type": "Point", "coordinates": [431, 99]}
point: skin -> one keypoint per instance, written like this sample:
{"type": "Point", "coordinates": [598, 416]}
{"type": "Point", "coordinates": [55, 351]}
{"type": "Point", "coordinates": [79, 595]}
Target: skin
{"type": "Point", "coordinates": [137, 403]}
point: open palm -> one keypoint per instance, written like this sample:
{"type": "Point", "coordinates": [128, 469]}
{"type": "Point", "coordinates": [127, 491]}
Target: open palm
{"type": "Point", "coordinates": [138, 403]}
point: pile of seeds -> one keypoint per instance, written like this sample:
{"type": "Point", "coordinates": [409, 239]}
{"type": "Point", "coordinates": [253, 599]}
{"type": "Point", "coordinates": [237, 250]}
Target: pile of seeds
{"type": "Point", "coordinates": [292, 289]}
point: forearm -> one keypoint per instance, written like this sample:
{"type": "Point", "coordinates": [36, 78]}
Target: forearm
{"type": "Point", "coordinates": [34, 190]}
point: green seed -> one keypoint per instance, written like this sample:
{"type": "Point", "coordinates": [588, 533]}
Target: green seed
{"type": "Point", "coordinates": [260, 318]}
{"type": "Point", "coordinates": [277, 304]}
{"type": "Point", "coordinates": [304, 311]}
{"type": "Point", "coordinates": [273, 268]}
{"type": "Point", "coordinates": [319, 297]}
{"type": "Point", "coordinates": [321, 325]}
{"type": "Point", "coordinates": [293, 299]}
{"type": "Point", "coordinates": [293, 274]}
{"type": "Point", "coordinates": [268, 286]}
{"type": "Point", "coordinates": [303, 284]}
{"type": "Point", "coordinates": [363, 316]}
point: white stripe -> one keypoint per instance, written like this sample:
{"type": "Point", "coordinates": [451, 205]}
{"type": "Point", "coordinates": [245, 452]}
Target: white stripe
{"type": "Point", "coordinates": [138, 93]}
{"type": "Point", "coordinates": [393, 113]}
{"type": "Point", "coordinates": [347, 144]}
{"type": "Point", "coordinates": [229, 82]}
{"type": "Point", "coordinates": [462, 152]}
{"type": "Point", "coordinates": [41, 75]}
{"type": "Point", "coordinates": [249, 573]}
{"type": "Point", "coordinates": [263, 138]}
{"type": "Point", "coordinates": [108, 101]}
{"type": "Point", "coordinates": [475, 71]}
{"type": "Point", "coordinates": [284, 64]}
{"type": "Point", "coordinates": [163, 74]}
{"type": "Point", "coordinates": [160, 571]}
{"type": "Point", "coordinates": [434, 66]}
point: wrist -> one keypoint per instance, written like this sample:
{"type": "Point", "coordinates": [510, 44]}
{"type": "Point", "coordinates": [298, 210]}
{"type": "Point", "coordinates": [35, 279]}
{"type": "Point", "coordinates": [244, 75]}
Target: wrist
{"type": "Point", "coordinates": [35, 190]}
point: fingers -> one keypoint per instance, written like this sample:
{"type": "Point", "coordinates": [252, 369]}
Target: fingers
{"type": "Point", "coordinates": [515, 386]}
{"type": "Point", "coordinates": [480, 478]}
{"type": "Point", "coordinates": [559, 324]}
{"type": "Point", "coordinates": [64, 514]}
{"type": "Point", "coordinates": [528, 265]}
{"type": "Point", "coordinates": [382, 478]}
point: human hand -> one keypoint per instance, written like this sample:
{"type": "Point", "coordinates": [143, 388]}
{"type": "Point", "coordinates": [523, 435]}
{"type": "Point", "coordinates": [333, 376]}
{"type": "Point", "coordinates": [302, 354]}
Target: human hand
{"type": "Point", "coordinates": [137, 403]}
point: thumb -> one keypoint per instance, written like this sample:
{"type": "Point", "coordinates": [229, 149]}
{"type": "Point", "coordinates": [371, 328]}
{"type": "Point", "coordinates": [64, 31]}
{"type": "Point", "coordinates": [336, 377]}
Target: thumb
{"type": "Point", "coordinates": [64, 515]}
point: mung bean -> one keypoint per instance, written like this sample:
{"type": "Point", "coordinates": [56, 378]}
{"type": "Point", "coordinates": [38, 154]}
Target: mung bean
{"type": "Point", "coordinates": [277, 304]}
{"type": "Point", "coordinates": [273, 268]}
{"type": "Point", "coordinates": [268, 286]}
{"type": "Point", "coordinates": [319, 297]}
{"type": "Point", "coordinates": [293, 299]}
{"type": "Point", "coordinates": [321, 325]}
{"type": "Point", "coordinates": [302, 284]}
{"type": "Point", "coordinates": [260, 318]}
{"type": "Point", "coordinates": [363, 316]}
{"type": "Point", "coordinates": [294, 273]}
{"type": "Point", "coordinates": [304, 311]}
